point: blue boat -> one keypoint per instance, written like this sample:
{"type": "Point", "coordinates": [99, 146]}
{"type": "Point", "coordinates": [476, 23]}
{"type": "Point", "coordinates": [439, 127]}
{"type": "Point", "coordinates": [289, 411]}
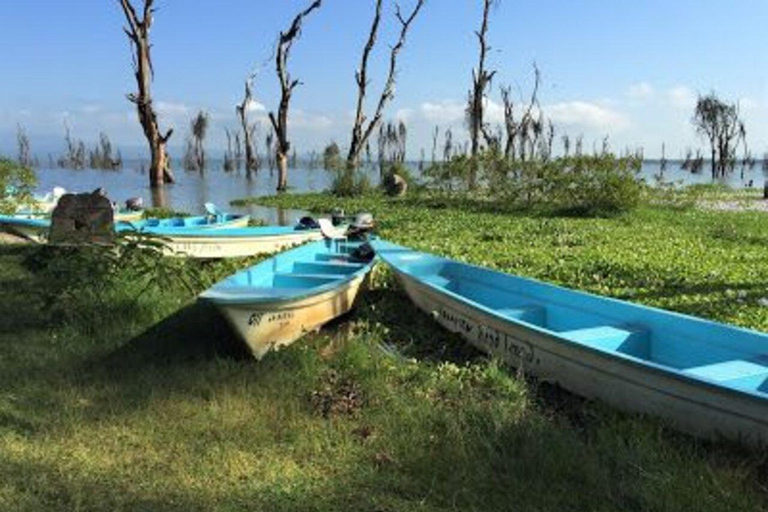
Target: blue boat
{"type": "Point", "coordinates": [275, 302]}
{"type": "Point", "coordinates": [35, 228]}
{"type": "Point", "coordinates": [703, 377]}
{"type": "Point", "coordinates": [219, 221]}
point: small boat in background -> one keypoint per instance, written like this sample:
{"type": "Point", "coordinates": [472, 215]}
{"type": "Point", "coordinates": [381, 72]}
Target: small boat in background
{"type": "Point", "coordinates": [35, 227]}
{"type": "Point", "coordinates": [274, 303]}
{"type": "Point", "coordinates": [220, 221]}
{"type": "Point", "coordinates": [704, 377]}
{"type": "Point", "coordinates": [32, 228]}
{"type": "Point", "coordinates": [232, 243]}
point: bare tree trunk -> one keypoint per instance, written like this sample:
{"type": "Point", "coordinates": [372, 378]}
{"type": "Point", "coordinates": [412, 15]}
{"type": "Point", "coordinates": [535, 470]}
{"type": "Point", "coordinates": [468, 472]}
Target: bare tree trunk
{"type": "Point", "coordinates": [360, 131]}
{"type": "Point", "coordinates": [481, 79]}
{"type": "Point", "coordinates": [248, 129]}
{"type": "Point", "coordinates": [287, 85]}
{"type": "Point", "coordinates": [138, 33]}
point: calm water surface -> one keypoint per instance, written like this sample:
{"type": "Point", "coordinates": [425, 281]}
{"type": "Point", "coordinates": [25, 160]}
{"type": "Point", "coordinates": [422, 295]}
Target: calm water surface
{"type": "Point", "coordinates": [194, 189]}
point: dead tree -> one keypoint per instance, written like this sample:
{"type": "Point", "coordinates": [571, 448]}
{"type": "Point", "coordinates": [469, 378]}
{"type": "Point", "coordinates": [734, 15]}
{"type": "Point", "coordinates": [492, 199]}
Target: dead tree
{"type": "Point", "coordinates": [721, 124]}
{"type": "Point", "coordinates": [248, 129]}
{"type": "Point", "coordinates": [287, 85]}
{"type": "Point", "coordinates": [138, 33]}
{"type": "Point", "coordinates": [22, 140]}
{"type": "Point", "coordinates": [481, 81]}
{"type": "Point", "coordinates": [517, 131]}
{"type": "Point", "coordinates": [363, 128]}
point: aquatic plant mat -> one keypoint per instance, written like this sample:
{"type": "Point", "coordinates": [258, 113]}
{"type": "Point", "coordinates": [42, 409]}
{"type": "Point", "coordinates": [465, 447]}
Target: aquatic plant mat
{"type": "Point", "coordinates": [123, 394]}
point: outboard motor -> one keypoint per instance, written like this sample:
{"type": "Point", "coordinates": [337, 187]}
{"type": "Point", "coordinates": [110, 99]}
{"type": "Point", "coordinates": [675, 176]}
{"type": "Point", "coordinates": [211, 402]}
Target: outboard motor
{"type": "Point", "coordinates": [307, 223]}
{"type": "Point", "coordinates": [361, 226]}
{"type": "Point", "coordinates": [363, 254]}
{"type": "Point", "coordinates": [134, 204]}
{"type": "Point", "coordinates": [337, 216]}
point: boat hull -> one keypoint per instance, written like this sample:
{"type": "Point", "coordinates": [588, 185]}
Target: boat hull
{"type": "Point", "coordinates": [206, 247]}
{"type": "Point", "coordinates": [700, 409]}
{"type": "Point", "coordinates": [37, 234]}
{"type": "Point", "coordinates": [269, 326]}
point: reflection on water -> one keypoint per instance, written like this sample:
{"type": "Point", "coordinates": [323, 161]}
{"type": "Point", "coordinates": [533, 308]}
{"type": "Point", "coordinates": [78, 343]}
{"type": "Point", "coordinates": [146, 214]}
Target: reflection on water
{"type": "Point", "coordinates": [195, 189]}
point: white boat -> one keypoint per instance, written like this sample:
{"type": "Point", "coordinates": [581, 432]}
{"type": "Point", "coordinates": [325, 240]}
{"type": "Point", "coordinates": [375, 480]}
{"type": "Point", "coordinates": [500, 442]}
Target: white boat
{"type": "Point", "coordinates": [703, 377]}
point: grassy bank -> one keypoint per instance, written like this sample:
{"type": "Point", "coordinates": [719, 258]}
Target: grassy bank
{"type": "Point", "coordinates": [133, 397]}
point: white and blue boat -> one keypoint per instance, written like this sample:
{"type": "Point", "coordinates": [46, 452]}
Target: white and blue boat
{"type": "Point", "coordinates": [703, 377]}
{"type": "Point", "coordinates": [274, 303]}
{"type": "Point", "coordinates": [35, 228]}
{"type": "Point", "coordinates": [218, 221]}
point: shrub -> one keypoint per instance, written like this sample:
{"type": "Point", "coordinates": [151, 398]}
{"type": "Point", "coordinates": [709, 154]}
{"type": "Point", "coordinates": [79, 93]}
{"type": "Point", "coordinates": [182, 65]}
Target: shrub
{"type": "Point", "coordinates": [16, 185]}
{"type": "Point", "coordinates": [349, 182]}
{"type": "Point", "coordinates": [582, 185]}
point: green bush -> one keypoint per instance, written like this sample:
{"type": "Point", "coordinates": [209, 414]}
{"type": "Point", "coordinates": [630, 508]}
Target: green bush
{"type": "Point", "coordinates": [349, 182]}
{"type": "Point", "coordinates": [16, 185]}
{"type": "Point", "coordinates": [580, 185]}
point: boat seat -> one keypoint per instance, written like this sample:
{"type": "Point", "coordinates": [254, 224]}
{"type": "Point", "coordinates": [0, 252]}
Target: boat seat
{"type": "Point", "coordinates": [291, 280]}
{"type": "Point", "coordinates": [630, 340]}
{"type": "Point", "coordinates": [436, 280]}
{"type": "Point", "coordinates": [325, 267]}
{"type": "Point", "coordinates": [532, 314]}
{"type": "Point", "coordinates": [737, 373]}
{"type": "Point", "coordinates": [332, 256]}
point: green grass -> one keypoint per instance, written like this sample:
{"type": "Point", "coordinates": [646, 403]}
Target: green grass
{"type": "Point", "coordinates": [133, 397]}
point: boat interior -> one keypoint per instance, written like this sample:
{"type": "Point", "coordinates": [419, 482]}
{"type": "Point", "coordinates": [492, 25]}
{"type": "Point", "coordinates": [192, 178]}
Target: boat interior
{"type": "Point", "coordinates": [190, 222]}
{"type": "Point", "coordinates": [728, 356]}
{"type": "Point", "coordinates": [298, 270]}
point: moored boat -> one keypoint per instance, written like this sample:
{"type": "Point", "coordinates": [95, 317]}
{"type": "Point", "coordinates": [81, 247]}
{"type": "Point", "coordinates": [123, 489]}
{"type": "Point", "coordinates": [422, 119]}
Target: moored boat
{"type": "Point", "coordinates": [219, 221]}
{"type": "Point", "coordinates": [232, 243]}
{"type": "Point", "coordinates": [274, 303]}
{"type": "Point", "coordinates": [705, 378]}
{"type": "Point", "coordinates": [36, 228]}
{"type": "Point", "coordinates": [30, 228]}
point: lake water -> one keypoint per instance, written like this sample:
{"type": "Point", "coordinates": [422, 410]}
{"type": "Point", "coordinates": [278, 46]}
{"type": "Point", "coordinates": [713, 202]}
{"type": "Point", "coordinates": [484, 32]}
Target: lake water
{"type": "Point", "coordinates": [194, 189]}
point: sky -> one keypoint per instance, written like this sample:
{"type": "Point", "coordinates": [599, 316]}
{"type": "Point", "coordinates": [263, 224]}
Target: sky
{"type": "Point", "coordinates": [630, 70]}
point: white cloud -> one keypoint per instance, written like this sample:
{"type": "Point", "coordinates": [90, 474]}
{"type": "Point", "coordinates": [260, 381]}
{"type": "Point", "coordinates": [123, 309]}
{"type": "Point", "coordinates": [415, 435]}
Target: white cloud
{"type": "Point", "coordinates": [172, 109]}
{"type": "Point", "coordinates": [747, 104]}
{"type": "Point", "coordinates": [404, 114]}
{"type": "Point", "coordinates": [586, 115]}
{"type": "Point", "coordinates": [91, 109]}
{"type": "Point", "coordinates": [255, 106]}
{"type": "Point", "coordinates": [682, 97]}
{"type": "Point", "coordinates": [303, 120]}
{"type": "Point", "coordinates": [443, 111]}
{"type": "Point", "coordinates": [641, 91]}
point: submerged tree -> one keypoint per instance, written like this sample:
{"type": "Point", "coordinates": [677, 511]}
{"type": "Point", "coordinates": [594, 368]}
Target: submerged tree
{"type": "Point", "coordinates": [138, 33]}
{"type": "Point", "coordinates": [24, 151]}
{"type": "Point", "coordinates": [194, 156]}
{"type": "Point", "coordinates": [249, 129]}
{"type": "Point", "coordinates": [287, 85]}
{"type": "Point", "coordinates": [364, 128]}
{"type": "Point", "coordinates": [721, 124]}
{"type": "Point", "coordinates": [103, 157]}
{"type": "Point", "coordinates": [75, 155]}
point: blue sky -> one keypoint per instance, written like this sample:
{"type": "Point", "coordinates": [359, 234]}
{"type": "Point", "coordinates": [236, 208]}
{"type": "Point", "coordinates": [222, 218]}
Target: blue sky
{"type": "Point", "coordinates": [628, 69]}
